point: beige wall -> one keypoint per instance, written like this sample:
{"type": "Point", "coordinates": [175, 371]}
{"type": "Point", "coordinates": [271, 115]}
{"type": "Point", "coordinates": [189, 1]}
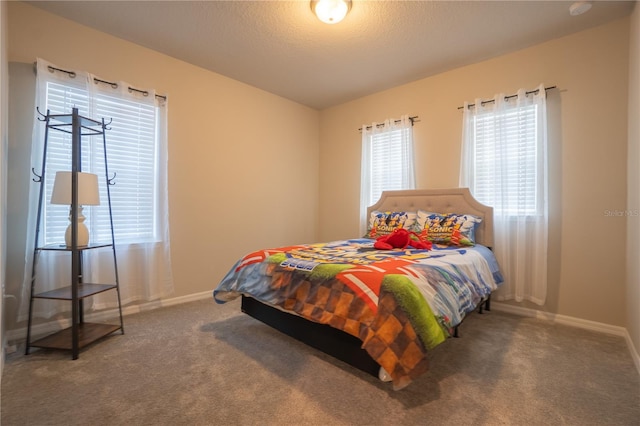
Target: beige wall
{"type": "Point", "coordinates": [243, 163]}
{"type": "Point", "coordinates": [588, 146]}
{"type": "Point", "coordinates": [633, 190]}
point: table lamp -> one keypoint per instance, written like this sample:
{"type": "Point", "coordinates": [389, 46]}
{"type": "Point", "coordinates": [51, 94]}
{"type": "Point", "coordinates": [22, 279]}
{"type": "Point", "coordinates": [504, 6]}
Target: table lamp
{"type": "Point", "coordinates": [88, 195]}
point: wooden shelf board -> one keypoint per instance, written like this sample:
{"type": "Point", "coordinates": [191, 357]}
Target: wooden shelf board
{"type": "Point", "coordinates": [87, 334]}
{"type": "Point", "coordinates": [84, 290]}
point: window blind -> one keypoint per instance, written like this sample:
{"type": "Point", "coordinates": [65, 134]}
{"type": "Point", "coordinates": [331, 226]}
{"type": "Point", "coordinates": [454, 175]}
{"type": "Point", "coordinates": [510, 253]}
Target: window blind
{"type": "Point", "coordinates": [390, 159]}
{"type": "Point", "coordinates": [506, 157]}
{"type": "Point", "coordinates": [131, 153]}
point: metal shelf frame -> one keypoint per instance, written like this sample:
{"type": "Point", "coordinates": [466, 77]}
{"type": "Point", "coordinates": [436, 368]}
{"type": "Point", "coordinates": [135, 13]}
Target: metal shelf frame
{"type": "Point", "coordinates": [81, 333]}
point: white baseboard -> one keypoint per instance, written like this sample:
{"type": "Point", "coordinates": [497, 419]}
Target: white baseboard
{"type": "Point", "coordinates": [573, 322]}
{"type": "Point", "coordinates": [148, 306]}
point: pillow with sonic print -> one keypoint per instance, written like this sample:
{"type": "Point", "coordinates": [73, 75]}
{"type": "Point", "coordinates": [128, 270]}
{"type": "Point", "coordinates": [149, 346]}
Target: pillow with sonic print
{"type": "Point", "coordinates": [383, 223]}
{"type": "Point", "coordinates": [450, 229]}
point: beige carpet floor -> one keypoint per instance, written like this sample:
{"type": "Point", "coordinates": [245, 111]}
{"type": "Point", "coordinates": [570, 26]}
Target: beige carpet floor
{"type": "Point", "coordinates": [205, 364]}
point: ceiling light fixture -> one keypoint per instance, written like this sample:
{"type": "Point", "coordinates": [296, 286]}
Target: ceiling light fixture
{"type": "Point", "coordinates": [579, 7]}
{"type": "Point", "coordinates": [331, 11]}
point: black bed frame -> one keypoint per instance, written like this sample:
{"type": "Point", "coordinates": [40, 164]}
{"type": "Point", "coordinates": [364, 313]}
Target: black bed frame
{"type": "Point", "coordinates": [334, 342]}
{"type": "Point", "coordinates": [331, 341]}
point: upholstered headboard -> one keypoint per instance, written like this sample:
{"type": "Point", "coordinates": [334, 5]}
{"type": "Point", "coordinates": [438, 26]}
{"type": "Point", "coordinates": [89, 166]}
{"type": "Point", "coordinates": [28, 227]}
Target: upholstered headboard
{"type": "Point", "coordinates": [454, 200]}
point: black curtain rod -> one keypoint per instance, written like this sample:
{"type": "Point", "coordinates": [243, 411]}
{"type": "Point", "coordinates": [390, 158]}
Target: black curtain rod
{"type": "Point", "coordinates": [71, 73]}
{"type": "Point", "coordinates": [413, 119]}
{"type": "Point", "coordinates": [508, 97]}
{"type": "Point", "coordinates": [112, 84]}
{"type": "Point", "coordinates": [131, 89]}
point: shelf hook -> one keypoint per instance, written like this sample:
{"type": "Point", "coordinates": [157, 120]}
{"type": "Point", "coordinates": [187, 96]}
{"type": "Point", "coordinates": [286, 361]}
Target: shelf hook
{"type": "Point", "coordinates": [110, 180]}
{"type": "Point", "coordinates": [37, 178]}
{"type": "Point", "coordinates": [105, 125]}
{"type": "Point", "coordinates": [44, 117]}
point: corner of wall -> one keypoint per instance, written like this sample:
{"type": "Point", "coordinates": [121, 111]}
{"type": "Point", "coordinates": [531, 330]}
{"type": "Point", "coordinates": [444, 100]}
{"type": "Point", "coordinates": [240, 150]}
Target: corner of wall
{"type": "Point", "coordinates": [633, 188]}
{"type": "Point", "coordinates": [4, 100]}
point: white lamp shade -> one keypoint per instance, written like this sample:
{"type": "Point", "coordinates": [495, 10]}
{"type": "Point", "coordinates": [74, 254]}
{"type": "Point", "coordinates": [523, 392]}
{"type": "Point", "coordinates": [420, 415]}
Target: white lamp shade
{"type": "Point", "coordinates": [88, 193]}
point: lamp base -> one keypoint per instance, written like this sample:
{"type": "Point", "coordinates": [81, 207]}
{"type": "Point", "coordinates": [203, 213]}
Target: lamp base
{"type": "Point", "coordinates": [82, 231]}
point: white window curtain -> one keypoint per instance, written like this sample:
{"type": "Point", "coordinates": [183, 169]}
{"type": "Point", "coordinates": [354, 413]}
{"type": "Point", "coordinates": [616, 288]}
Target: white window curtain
{"type": "Point", "coordinates": [137, 162]}
{"type": "Point", "coordinates": [387, 161]}
{"type": "Point", "coordinates": [504, 164]}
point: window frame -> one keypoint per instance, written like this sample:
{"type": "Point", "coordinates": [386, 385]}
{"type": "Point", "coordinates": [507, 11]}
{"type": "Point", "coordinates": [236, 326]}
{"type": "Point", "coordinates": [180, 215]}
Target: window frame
{"type": "Point", "coordinates": [397, 138]}
{"type": "Point", "coordinates": [524, 118]}
{"type": "Point", "coordinates": [136, 133]}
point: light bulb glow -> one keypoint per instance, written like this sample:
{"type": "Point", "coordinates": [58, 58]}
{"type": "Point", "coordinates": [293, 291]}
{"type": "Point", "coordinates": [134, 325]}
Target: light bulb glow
{"type": "Point", "coordinates": [330, 11]}
{"type": "Point", "coordinates": [579, 7]}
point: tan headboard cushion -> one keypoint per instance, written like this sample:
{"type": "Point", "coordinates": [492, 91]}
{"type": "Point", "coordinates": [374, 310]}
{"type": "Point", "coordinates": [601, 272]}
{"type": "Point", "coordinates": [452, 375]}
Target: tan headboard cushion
{"type": "Point", "coordinates": [453, 200]}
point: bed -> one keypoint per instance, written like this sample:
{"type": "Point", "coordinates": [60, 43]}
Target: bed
{"type": "Point", "coordinates": [380, 311]}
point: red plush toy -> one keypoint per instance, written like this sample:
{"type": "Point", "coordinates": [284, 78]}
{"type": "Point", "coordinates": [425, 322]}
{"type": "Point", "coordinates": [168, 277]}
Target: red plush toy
{"type": "Point", "coordinates": [401, 238]}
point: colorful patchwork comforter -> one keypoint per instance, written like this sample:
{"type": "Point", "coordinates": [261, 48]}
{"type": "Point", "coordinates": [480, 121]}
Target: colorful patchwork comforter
{"type": "Point", "coordinates": [400, 303]}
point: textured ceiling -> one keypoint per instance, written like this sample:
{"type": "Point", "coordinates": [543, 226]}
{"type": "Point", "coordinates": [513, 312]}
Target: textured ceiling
{"type": "Point", "coordinates": [281, 47]}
